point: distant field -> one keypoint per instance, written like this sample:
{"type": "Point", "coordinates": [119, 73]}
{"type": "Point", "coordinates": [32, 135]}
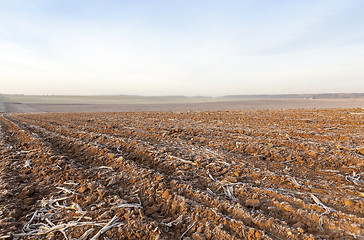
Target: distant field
{"type": "Point", "coordinates": [32, 104]}
{"type": "Point", "coordinates": [2, 106]}
{"type": "Point", "coordinates": [59, 99]}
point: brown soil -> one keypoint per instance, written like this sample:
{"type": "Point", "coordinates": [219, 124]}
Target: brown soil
{"type": "Point", "coordinates": [268, 174]}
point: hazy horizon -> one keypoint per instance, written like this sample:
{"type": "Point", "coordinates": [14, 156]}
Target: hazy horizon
{"type": "Point", "coordinates": [183, 96]}
{"type": "Point", "coordinates": [168, 48]}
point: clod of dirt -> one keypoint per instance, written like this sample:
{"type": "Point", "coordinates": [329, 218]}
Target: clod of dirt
{"type": "Point", "coordinates": [252, 203]}
{"type": "Point", "coordinates": [83, 189]}
{"type": "Point", "coordinates": [119, 159]}
{"type": "Point", "coordinates": [299, 225]}
{"type": "Point", "coordinates": [198, 236]}
{"type": "Point", "coordinates": [26, 192]}
{"type": "Point", "coordinates": [151, 210]}
{"type": "Point", "coordinates": [29, 201]}
{"type": "Point", "coordinates": [349, 203]}
{"type": "Point", "coordinates": [313, 154]}
{"type": "Point", "coordinates": [231, 179]}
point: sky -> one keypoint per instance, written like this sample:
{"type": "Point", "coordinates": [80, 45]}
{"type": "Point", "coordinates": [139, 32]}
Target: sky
{"type": "Point", "coordinates": [184, 47]}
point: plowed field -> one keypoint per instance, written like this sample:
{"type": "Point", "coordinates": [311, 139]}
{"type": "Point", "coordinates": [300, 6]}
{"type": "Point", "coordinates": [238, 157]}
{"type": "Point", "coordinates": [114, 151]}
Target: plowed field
{"type": "Point", "coordinates": [270, 174]}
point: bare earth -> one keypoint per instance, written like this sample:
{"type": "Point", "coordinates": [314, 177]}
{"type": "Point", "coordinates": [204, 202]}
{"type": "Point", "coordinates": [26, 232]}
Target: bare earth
{"type": "Point", "coordinates": [260, 174]}
{"type": "Point", "coordinates": [208, 106]}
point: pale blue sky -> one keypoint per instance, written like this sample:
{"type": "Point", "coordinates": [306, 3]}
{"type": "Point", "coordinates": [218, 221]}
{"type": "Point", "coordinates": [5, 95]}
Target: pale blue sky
{"type": "Point", "coordinates": [181, 47]}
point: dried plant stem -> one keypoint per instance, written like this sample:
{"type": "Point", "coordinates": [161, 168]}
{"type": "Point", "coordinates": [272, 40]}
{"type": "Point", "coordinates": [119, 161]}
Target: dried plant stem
{"type": "Point", "coordinates": [86, 234]}
{"type": "Point", "coordinates": [188, 229]}
{"type": "Point", "coordinates": [112, 223]}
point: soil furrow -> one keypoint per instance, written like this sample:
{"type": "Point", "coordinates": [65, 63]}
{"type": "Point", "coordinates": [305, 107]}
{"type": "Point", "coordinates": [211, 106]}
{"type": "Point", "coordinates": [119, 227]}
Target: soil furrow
{"type": "Point", "coordinates": [134, 172]}
{"type": "Point", "coordinates": [293, 174]}
{"type": "Point", "coordinates": [306, 219]}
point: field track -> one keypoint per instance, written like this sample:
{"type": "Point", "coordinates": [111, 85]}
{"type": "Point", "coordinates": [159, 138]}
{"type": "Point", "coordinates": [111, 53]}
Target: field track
{"type": "Point", "coordinates": [269, 174]}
